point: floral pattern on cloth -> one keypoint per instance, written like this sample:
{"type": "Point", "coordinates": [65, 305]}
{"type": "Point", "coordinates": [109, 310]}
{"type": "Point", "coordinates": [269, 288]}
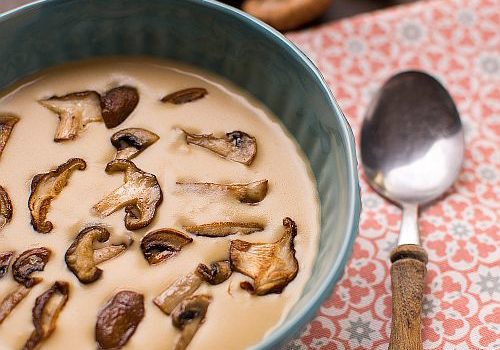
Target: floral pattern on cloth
{"type": "Point", "coordinates": [457, 41]}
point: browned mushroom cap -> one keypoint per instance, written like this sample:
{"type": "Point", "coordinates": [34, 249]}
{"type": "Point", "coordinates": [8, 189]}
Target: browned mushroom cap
{"type": "Point", "coordinates": [28, 262]}
{"type": "Point", "coordinates": [271, 265]}
{"type": "Point", "coordinates": [177, 291]}
{"type": "Point", "coordinates": [117, 104]}
{"type": "Point", "coordinates": [5, 208]}
{"type": "Point", "coordinates": [162, 244]}
{"type": "Point", "coordinates": [5, 258]}
{"type": "Point", "coordinates": [45, 187]}
{"type": "Point", "coordinates": [184, 96]}
{"type": "Point", "coordinates": [250, 193]}
{"type": "Point", "coordinates": [80, 256]}
{"type": "Point", "coordinates": [286, 14]}
{"type": "Point", "coordinates": [222, 229]}
{"type": "Point", "coordinates": [188, 317]}
{"type": "Point", "coordinates": [236, 146]}
{"type": "Point", "coordinates": [75, 111]}
{"type": "Point", "coordinates": [118, 320]}
{"type": "Point", "coordinates": [130, 142]}
{"type": "Point", "coordinates": [11, 300]}
{"type": "Point", "coordinates": [46, 312]}
{"type": "Point", "coordinates": [7, 123]}
{"type": "Point", "coordinates": [216, 273]}
{"type": "Point", "coordinates": [140, 195]}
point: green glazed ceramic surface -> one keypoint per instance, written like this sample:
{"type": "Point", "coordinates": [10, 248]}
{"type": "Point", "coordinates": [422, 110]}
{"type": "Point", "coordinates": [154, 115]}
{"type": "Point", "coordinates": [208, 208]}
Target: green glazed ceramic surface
{"type": "Point", "coordinates": [241, 49]}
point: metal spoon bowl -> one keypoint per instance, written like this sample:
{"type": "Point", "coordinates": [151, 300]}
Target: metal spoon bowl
{"type": "Point", "coordinates": [412, 143]}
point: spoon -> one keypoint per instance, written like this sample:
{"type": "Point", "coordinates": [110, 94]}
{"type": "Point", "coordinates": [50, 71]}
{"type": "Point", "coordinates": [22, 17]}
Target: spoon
{"type": "Point", "coordinates": [412, 147]}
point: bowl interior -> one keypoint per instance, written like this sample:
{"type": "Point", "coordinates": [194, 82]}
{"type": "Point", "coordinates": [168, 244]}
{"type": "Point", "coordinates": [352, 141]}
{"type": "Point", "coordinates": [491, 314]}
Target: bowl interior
{"type": "Point", "coordinates": [231, 44]}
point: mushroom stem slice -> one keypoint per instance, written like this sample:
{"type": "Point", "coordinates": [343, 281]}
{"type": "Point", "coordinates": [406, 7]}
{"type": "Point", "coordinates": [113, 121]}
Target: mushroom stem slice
{"type": "Point", "coordinates": [184, 96]}
{"type": "Point", "coordinates": [11, 300]}
{"type": "Point", "coordinates": [223, 229]}
{"type": "Point", "coordinates": [140, 195]}
{"type": "Point", "coordinates": [5, 258]}
{"type": "Point", "coordinates": [75, 111]}
{"type": "Point", "coordinates": [117, 104]}
{"type": "Point", "coordinates": [80, 256]}
{"type": "Point", "coordinates": [216, 273]}
{"type": "Point", "coordinates": [162, 244]}
{"type": "Point", "coordinates": [45, 187]}
{"type": "Point", "coordinates": [7, 123]}
{"type": "Point", "coordinates": [188, 317]}
{"type": "Point", "coordinates": [46, 312]}
{"type": "Point", "coordinates": [104, 254]}
{"type": "Point", "coordinates": [177, 291]}
{"type": "Point", "coordinates": [236, 146]}
{"type": "Point", "coordinates": [30, 261]}
{"type": "Point", "coordinates": [130, 142]}
{"type": "Point", "coordinates": [5, 208]}
{"type": "Point", "coordinates": [250, 193]}
{"type": "Point", "coordinates": [271, 265]}
{"type": "Point", "coordinates": [118, 320]}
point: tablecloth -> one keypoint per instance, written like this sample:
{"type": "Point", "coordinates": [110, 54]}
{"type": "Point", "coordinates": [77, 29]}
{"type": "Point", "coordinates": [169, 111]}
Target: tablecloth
{"type": "Point", "coordinates": [459, 43]}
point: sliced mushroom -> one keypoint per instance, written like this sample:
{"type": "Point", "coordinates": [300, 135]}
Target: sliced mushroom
{"type": "Point", "coordinates": [46, 312]}
{"type": "Point", "coordinates": [7, 123]}
{"type": "Point", "coordinates": [118, 320]}
{"type": "Point", "coordinates": [75, 111]}
{"type": "Point", "coordinates": [250, 193]}
{"type": "Point", "coordinates": [177, 291]}
{"type": "Point", "coordinates": [45, 187]}
{"type": "Point", "coordinates": [12, 299]}
{"type": "Point", "coordinates": [117, 104]}
{"type": "Point", "coordinates": [140, 195]}
{"type": "Point", "coordinates": [184, 96]}
{"type": "Point", "coordinates": [5, 208]}
{"type": "Point", "coordinates": [236, 146]}
{"type": "Point", "coordinates": [271, 265]}
{"type": "Point", "coordinates": [30, 261]}
{"type": "Point", "coordinates": [188, 317]}
{"type": "Point", "coordinates": [222, 229]}
{"type": "Point", "coordinates": [216, 273]}
{"type": "Point", "coordinates": [130, 142]}
{"type": "Point", "coordinates": [80, 256]}
{"type": "Point", "coordinates": [5, 258]}
{"type": "Point", "coordinates": [159, 245]}
{"type": "Point", "coordinates": [109, 252]}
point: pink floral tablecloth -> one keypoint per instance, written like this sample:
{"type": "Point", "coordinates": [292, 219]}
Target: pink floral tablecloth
{"type": "Point", "coordinates": [458, 42]}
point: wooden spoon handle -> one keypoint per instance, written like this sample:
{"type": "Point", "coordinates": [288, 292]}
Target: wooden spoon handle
{"type": "Point", "coordinates": [407, 274]}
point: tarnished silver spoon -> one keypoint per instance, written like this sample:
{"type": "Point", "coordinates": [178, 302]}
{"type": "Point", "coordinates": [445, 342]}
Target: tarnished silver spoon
{"type": "Point", "coordinates": [412, 147]}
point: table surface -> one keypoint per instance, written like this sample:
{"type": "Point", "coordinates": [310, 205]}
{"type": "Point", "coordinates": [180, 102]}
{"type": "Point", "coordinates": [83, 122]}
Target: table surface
{"type": "Point", "coordinates": [458, 41]}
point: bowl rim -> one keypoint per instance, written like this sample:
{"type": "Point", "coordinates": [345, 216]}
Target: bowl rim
{"type": "Point", "coordinates": [290, 325]}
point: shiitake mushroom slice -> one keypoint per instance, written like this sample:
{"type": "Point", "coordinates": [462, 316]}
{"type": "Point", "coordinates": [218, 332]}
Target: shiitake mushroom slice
{"type": "Point", "coordinates": [7, 123]}
{"type": "Point", "coordinates": [160, 245]}
{"type": "Point", "coordinates": [184, 96]}
{"type": "Point", "coordinates": [140, 195]}
{"type": "Point", "coordinates": [272, 266]}
{"type": "Point", "coordinates": [46, 311]}
{"type": "Point", "coordinates": [6, 209]}
{"type": "Point", "coordinates": [118, 320]}
{"type": "Point", "coordinates": [45, 187]}
{"type": "Point", "coordinates": [236, 146]}
{"type": "Point", "coordinates": [249, 193]}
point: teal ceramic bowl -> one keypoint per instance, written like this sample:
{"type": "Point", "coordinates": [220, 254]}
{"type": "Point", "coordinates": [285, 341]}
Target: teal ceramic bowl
{"type": "Point", "coordinates": [231, 44]}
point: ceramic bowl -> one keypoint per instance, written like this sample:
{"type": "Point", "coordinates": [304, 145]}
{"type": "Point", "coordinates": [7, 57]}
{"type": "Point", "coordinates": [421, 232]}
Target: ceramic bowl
{"type": "Point", "coordinates": [227, 42]}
